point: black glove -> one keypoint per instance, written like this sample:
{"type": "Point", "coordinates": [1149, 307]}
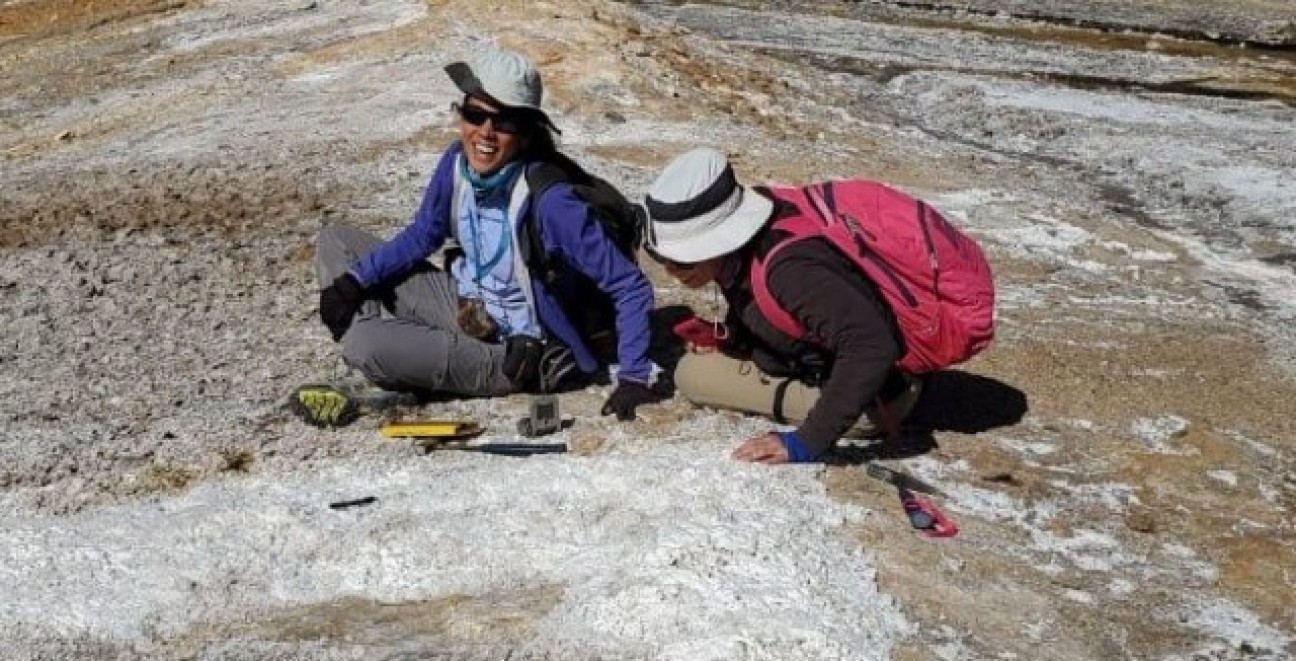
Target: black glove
{"type": "Point", "coordinates": [339, 303]}
{"type": "Point", "coordinates": [522, 361]}
{"type": "Point", "coordinates": [628, 396]}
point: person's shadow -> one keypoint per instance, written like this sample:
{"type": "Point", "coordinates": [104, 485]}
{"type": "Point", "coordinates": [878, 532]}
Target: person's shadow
{"type": "Point", "coordinates": [952, 400]}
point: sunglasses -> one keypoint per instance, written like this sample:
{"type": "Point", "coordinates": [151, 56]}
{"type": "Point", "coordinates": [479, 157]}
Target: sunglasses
{"type": "Point", "coordinates": [502, 121]}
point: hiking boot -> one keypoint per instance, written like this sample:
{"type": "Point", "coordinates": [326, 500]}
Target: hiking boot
{"type": "Point", "coordinates": [557, 366]}
{"type": "Point", "coordinates": [323, 406]}
{"type": "Point", "coordinates": [340, 404]}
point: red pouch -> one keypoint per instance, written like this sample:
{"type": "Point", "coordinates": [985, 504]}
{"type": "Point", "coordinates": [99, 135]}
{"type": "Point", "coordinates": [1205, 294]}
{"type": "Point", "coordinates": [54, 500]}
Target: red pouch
{"type": "Point", "coordinates": [700, 334]}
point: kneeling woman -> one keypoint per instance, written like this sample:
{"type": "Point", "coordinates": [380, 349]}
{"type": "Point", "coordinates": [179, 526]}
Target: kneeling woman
{"type": "Point", "coordinates": [837, 374]}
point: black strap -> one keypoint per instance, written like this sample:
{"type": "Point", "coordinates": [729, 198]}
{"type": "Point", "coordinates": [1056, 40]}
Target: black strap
{"type": "Point", "coordinates": [540, 177]}
{"type": "Point", "coordinates": [829, 197]}
{"type": "Point", "coordinates": [780, 392]}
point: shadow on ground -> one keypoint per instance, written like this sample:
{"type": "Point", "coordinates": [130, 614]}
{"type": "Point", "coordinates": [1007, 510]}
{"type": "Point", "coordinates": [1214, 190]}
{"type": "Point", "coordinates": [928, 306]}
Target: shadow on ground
{"type": "Point", "coordinates": [967, 403]}
{"type": "Point", "coordinates": [952, 400]}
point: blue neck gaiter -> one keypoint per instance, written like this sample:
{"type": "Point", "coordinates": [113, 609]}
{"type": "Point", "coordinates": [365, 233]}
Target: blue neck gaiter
{"type": "Point", "coordinates": [487, 186]}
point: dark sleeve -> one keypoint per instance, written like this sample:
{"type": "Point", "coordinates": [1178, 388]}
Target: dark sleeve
{"type": "Point", "coordinates": [569, 226]}
{"type": "Point", "coordinates": [423, 236]}
{"type": "Point", "coordinates": [839, 306]}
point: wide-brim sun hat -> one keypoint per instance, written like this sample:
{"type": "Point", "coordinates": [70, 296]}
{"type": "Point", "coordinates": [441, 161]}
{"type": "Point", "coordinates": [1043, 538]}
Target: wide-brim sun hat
{"type": "Point", "coordinates": [504, 78]}
{"type": "Point", "coordinates": [697, 210]}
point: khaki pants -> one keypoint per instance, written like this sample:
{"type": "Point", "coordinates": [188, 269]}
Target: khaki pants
{"type": "Point", "coordinates": [718, 381]}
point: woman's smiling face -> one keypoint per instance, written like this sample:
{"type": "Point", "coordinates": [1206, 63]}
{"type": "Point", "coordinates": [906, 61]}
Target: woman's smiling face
{"type": "Point", "coordinates": [490, 140]}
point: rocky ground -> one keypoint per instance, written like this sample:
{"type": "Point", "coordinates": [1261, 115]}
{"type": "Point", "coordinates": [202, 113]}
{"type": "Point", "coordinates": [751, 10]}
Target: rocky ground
{"type": "Point", "coordinates": [1120, 462]}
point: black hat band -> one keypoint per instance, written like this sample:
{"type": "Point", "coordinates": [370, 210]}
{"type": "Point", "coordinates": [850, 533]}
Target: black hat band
{"type": "Point", "coordinates": [716, 194]}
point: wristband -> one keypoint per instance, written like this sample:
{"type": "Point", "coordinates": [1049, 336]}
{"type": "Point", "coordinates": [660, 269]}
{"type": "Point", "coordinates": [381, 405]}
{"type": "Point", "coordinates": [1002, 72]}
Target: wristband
{"type": "Point", "coordinates": [797, 452]}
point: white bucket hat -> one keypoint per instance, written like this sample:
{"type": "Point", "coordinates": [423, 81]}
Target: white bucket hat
{"type": "Point", "coordinates": [698, 211]}
{"type": "Point", "coordinates": [502, 77]}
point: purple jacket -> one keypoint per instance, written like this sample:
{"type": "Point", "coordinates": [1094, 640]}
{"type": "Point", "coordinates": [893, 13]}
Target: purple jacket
{"type": "Point", "coordinates": [570, 234]}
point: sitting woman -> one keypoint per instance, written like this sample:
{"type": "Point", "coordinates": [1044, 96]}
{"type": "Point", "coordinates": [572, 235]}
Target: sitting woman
{"type": "Point", "coordinates": [485, 325]}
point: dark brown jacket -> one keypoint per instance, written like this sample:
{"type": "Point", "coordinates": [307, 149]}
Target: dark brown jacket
{"type": "Point", "coordinates": [833, 301]}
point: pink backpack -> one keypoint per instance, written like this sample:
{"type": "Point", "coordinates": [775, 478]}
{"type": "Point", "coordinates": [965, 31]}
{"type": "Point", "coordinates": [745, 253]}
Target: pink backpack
{"type": "Point", "coordinates": [934, 277]}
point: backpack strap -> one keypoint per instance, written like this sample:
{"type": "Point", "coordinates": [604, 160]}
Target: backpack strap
{"type": "Point", "coordinates": [540, 177]}
{"type": "Point", "coordinates": [797, 229]}
{"type": "Point", "coordinates": [780, 393]}
{"type": "Point", "coordinates": [518, 198]}
{"type": "Point", "coordinates": [770, 308]}
{"type": "Point", "coordinates": [456, 191]}
{"type": "Point", "coordinates": [543, 175]}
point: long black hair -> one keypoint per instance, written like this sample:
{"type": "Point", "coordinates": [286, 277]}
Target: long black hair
{"type": "Point", "coordinates": [541, 143]}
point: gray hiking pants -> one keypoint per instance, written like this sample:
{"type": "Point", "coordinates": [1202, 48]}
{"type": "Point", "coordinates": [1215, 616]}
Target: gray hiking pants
{"type": "Point", "coordinates": [407, 336]}
{"type": "Point", "coordinates": [718, 381]}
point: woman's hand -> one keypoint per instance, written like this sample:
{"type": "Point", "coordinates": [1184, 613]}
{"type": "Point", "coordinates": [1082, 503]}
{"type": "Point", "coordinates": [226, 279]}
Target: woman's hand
{"type": "Point", "coordinates": [764, 449]}
{"type": "Point", "coordinates": [339, 302]}
{"type": "Point", "coordinates": [628, 396]}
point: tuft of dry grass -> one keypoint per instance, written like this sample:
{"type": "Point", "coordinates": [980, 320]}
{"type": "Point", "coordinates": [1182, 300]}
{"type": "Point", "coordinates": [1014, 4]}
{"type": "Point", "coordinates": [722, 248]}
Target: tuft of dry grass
{"type": "Point", "coordinates": [166, 478]}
